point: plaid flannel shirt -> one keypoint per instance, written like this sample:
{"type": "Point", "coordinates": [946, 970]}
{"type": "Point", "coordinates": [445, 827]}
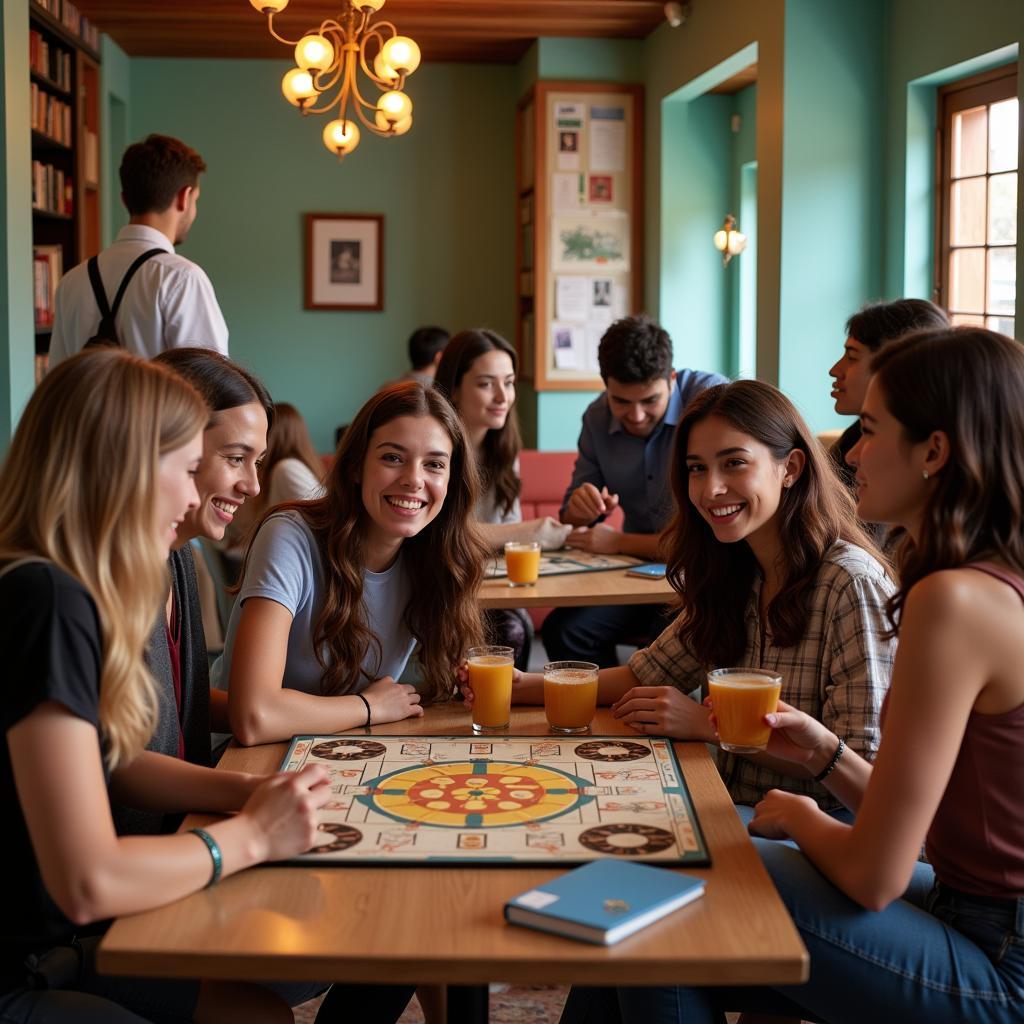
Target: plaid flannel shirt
{"type": "Point", "coordinates": [839, 672]}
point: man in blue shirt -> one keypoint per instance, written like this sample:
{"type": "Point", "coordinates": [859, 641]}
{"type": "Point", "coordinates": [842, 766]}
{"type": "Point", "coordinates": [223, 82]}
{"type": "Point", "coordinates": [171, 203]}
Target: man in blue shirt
{"type": "Point", "coordinates": [625, 451]}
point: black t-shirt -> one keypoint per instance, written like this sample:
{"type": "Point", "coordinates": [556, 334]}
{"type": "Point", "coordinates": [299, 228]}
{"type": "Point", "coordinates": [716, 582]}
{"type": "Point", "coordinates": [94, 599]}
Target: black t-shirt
{"type": "Point", "coordinates": [51, 640]}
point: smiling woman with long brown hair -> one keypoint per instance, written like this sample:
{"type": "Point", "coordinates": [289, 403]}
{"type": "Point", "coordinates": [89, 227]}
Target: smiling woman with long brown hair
{"type": "Point", "coordinates": [337, 591]}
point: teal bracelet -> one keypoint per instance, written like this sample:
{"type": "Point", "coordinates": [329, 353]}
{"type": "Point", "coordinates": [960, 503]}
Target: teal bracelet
{"type": "Point", "coordinates": [215, 854]}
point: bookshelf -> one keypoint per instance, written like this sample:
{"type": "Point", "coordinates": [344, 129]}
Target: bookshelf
{"type": "Point", "coordinates": [64, 63]}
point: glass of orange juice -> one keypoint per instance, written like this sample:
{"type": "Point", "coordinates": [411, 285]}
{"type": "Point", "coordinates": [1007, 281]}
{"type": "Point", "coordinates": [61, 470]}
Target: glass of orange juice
{"type": "Point", "coordinates": [490, 678]}
{"type": "Point", "coordinates": [570, 695]}
{"type": "Point", "coordinates": [740, 698]}
{"type": "Point", "coordinates": [522, 562]}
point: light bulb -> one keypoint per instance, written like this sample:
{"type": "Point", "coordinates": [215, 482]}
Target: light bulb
{"type": "Point", "coordinates": [395, 106]}
{"type": "Point", "coordinates": [369, 5]}
{"type": "Point", "coordinates": [402, 54]}
{"type": "Point", "coordinates": [721, 240]}
{"type": "Point", "coordinates": [297, 86]}
{"type": "Point", "coordinates": [341, 137]}
{"type": "Point", "coordinates": [383, 71]}
{"type": "Point", "coordinates": [314, 53]}
{"type": "Point", "coordinates": [269, 6]}
{"type": "Point", "coordinates": [398, 128]}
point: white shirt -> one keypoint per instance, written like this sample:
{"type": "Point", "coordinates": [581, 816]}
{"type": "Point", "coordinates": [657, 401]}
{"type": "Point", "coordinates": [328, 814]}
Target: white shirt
{"type": "Point", "coordinates": [292, 480]}
{"type": "Point", "coordinates": [169, 303]}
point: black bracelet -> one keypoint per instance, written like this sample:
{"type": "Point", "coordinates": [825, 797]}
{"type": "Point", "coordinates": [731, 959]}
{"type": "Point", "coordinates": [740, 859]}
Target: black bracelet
{"type": "Point", "coordinates": [215, 854]}
{"type": "Point", "coordinates": [831, 766]}
{"type": "Point", "coordinates": [367, 703]}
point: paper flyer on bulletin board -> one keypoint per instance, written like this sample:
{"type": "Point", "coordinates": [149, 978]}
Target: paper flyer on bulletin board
{"type": "Point", "coordinates": [586, 238]}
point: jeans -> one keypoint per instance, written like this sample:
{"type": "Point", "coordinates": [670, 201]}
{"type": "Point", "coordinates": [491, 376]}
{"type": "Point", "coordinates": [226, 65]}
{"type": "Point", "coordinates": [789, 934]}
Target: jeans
{"type": "Point", "coordinates": [935, 955]}
{"type": "Point", "coordinates": [590, 634]}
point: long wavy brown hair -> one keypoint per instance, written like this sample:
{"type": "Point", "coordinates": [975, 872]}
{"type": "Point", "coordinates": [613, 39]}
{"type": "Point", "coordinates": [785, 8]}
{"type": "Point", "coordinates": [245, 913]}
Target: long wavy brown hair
{"type": "Point", "coordinates": [444, 561]}
{"type": "Point", "coordinates": [501, 447]}
{"type": "Point", "coordinates": [814, 513]}
{"type": "Point", "coordinates": [968, 383]}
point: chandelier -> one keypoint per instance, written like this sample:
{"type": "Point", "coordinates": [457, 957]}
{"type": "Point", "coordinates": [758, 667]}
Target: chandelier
{"type": "Point", "coordinates": [325, 78]}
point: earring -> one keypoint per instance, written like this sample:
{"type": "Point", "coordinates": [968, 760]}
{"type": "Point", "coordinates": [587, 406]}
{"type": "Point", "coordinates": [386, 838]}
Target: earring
{"type": "Point", "coordinates": [924, 473]}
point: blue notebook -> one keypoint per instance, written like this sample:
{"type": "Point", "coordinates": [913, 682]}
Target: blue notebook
{"type": "Point", "coordinates": [650, 570]}
{"type": "Point", "coordinates": [603, 901]}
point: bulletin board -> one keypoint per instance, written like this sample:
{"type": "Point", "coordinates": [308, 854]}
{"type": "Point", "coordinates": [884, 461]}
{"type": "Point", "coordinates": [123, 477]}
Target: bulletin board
{"type": "Point", "coordinates": [579, 249]}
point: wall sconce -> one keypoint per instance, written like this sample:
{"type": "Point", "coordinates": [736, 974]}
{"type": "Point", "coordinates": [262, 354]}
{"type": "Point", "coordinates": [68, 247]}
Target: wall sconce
{"type": "Point", "coordinates": [728, 241]}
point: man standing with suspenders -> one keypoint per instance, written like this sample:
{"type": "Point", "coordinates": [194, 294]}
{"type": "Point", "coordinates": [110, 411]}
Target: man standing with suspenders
{"type": "Point", "coordinates": [167, 301]}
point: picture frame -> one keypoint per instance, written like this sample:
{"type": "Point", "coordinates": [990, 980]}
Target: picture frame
{"type": "Point", "coordinates": [345, 261]}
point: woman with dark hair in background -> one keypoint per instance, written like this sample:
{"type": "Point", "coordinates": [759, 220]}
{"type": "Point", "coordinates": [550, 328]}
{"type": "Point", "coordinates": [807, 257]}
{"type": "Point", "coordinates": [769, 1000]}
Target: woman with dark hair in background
{"type": "Point", "coordinates": [478, 374]}
{"type": "Point", "coordinates": [292, 470]}
{"type": "Point", "coordinates": [868, 331]}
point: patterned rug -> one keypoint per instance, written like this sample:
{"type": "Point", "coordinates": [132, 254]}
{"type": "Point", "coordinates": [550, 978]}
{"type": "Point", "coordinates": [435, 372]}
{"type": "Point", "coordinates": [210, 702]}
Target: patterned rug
{"type": "Point", "coordinates": [510, 1004]}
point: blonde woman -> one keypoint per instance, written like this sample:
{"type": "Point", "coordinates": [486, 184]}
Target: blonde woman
{"type": "Point", "coordinates": [97, 479]}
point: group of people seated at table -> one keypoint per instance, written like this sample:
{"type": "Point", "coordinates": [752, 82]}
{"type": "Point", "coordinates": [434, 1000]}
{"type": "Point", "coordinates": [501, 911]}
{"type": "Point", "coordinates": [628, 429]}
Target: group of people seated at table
{"type": "Point", "coordinates": [883, 581]}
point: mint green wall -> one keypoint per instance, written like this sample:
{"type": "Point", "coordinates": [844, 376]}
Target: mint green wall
{"type": "Point", "coordinates": [742, 272]}
{"type": "Point", "coordinates": [115, 92]}
{"type": "Point", "coordinates": [832, 189]}
{"type": "Point", "coordinates": [696, 153]}
{"type": "Point", "coordinates": [965, 39]}
{"type": "Point", "coordinates": [17, 346]}
{"type": "Point", "coordinates": [445, 189]}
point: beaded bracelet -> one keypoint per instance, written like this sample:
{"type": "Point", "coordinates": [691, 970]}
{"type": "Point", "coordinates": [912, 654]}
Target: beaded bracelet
{"type": "Point", "coordinates": [831, 766]}
{"type": "Point", "coordinates": [215, 854]}
{"type": "Point", "coordinates": [367, 703]}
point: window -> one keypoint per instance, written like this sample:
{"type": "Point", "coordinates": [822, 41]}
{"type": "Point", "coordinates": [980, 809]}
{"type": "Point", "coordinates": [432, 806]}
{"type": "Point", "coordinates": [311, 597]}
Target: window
{"type": "Point", "coordinates": [976, 254]}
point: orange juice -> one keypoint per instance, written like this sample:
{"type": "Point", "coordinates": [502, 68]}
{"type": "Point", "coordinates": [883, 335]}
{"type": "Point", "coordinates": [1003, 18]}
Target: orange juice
{"type": "Point", "coordinates": [522, 562]}
{"type": "Point", "coordinates": [570, 695]}
{"type": "Point", "coordinates": [490, 677]}
{"type": "Point", "coordinates": [741, 698]}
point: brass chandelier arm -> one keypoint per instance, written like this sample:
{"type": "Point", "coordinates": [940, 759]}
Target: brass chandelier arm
{"type": "Point", "coordinates": [352, 86]}
{"type": "Point", "coordinates": [280, 39]}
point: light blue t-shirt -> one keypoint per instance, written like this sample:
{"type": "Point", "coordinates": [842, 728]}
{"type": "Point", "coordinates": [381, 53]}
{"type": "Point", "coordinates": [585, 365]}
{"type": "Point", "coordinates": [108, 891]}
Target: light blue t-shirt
{"type": "Point", "coordinates": [284, 565]}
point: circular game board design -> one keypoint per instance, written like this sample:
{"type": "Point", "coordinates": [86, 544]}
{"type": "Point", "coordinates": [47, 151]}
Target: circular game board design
{"type": "Point", "coordinates": [612, 750]}
{"type": "Point", "coordinates": [345, 837]}
{"type": "Point", "coordinates": [475, 794]}
{"type": "Point", "coordinates": [348, 750]}
{"type": "Point", "coordinates": [627, 840]}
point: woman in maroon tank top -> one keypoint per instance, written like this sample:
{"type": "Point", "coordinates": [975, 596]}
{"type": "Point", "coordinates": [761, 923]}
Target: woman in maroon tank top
{"type": "Point", "coordinates": [892, 938]}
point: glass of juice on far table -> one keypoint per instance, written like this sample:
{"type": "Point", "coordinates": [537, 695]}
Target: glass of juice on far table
{"type": "Point", "coordinates": [740, 698]}
{"type": "Point", "coordinates": [490, 677]}
{"type": "Point", "coordinates": [522, 563]}
{"type": "Point", "coordinates": [570, 695]}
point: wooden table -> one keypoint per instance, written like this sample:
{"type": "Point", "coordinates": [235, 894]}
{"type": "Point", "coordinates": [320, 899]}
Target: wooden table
{"type": "Point", "coordinates": [607, 586]}
{"type": "Point", "coordinates": [431, 924]}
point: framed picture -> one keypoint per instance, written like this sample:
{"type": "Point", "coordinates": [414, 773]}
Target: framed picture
{"type": "Point", "coordinates": [345, 261]}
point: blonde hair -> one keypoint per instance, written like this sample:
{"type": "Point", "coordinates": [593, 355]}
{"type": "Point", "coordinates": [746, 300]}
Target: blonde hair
{"type": "Point", "coordinates": [79, 488]}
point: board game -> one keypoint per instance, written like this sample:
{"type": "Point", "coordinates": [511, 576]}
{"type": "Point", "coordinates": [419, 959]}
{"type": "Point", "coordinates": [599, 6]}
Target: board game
{"type": "Point", "coordinates": [559, 563]}
{"type": "Point", "coordinates": [500, 799]}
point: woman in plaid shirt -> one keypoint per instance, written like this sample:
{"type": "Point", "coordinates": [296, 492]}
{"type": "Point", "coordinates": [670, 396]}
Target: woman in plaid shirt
{"type": "Point", "coordinates": [779, 575]}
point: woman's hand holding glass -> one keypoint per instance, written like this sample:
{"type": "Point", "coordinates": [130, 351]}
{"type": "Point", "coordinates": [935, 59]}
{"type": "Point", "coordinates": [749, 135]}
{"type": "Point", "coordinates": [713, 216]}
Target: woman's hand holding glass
{"type": "Point", "coordinates": [796, 737]}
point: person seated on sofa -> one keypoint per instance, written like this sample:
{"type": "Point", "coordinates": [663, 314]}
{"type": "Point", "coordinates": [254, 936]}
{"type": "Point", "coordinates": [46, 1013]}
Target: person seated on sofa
{"type": "Point", "coordinates": [477, 373]}
{"type": "Point", "coordinates": [625, 450]}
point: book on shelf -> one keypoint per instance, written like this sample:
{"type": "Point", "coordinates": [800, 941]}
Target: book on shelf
{"type": "Point", "coordinates": [73, 20]}
{"type": "Point", "coordinates": [603, 901]}
{"type": "Point", "coordinates": [52, 190]}
{"type": "Point", "coordinates": [53, 63]}
{"type": "Point", "coordinates": [47, 268]}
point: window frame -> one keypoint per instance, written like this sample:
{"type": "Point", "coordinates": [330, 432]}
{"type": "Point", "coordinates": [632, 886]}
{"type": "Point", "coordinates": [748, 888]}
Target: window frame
{"type": "Point", "coordinates": [979, 90]}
